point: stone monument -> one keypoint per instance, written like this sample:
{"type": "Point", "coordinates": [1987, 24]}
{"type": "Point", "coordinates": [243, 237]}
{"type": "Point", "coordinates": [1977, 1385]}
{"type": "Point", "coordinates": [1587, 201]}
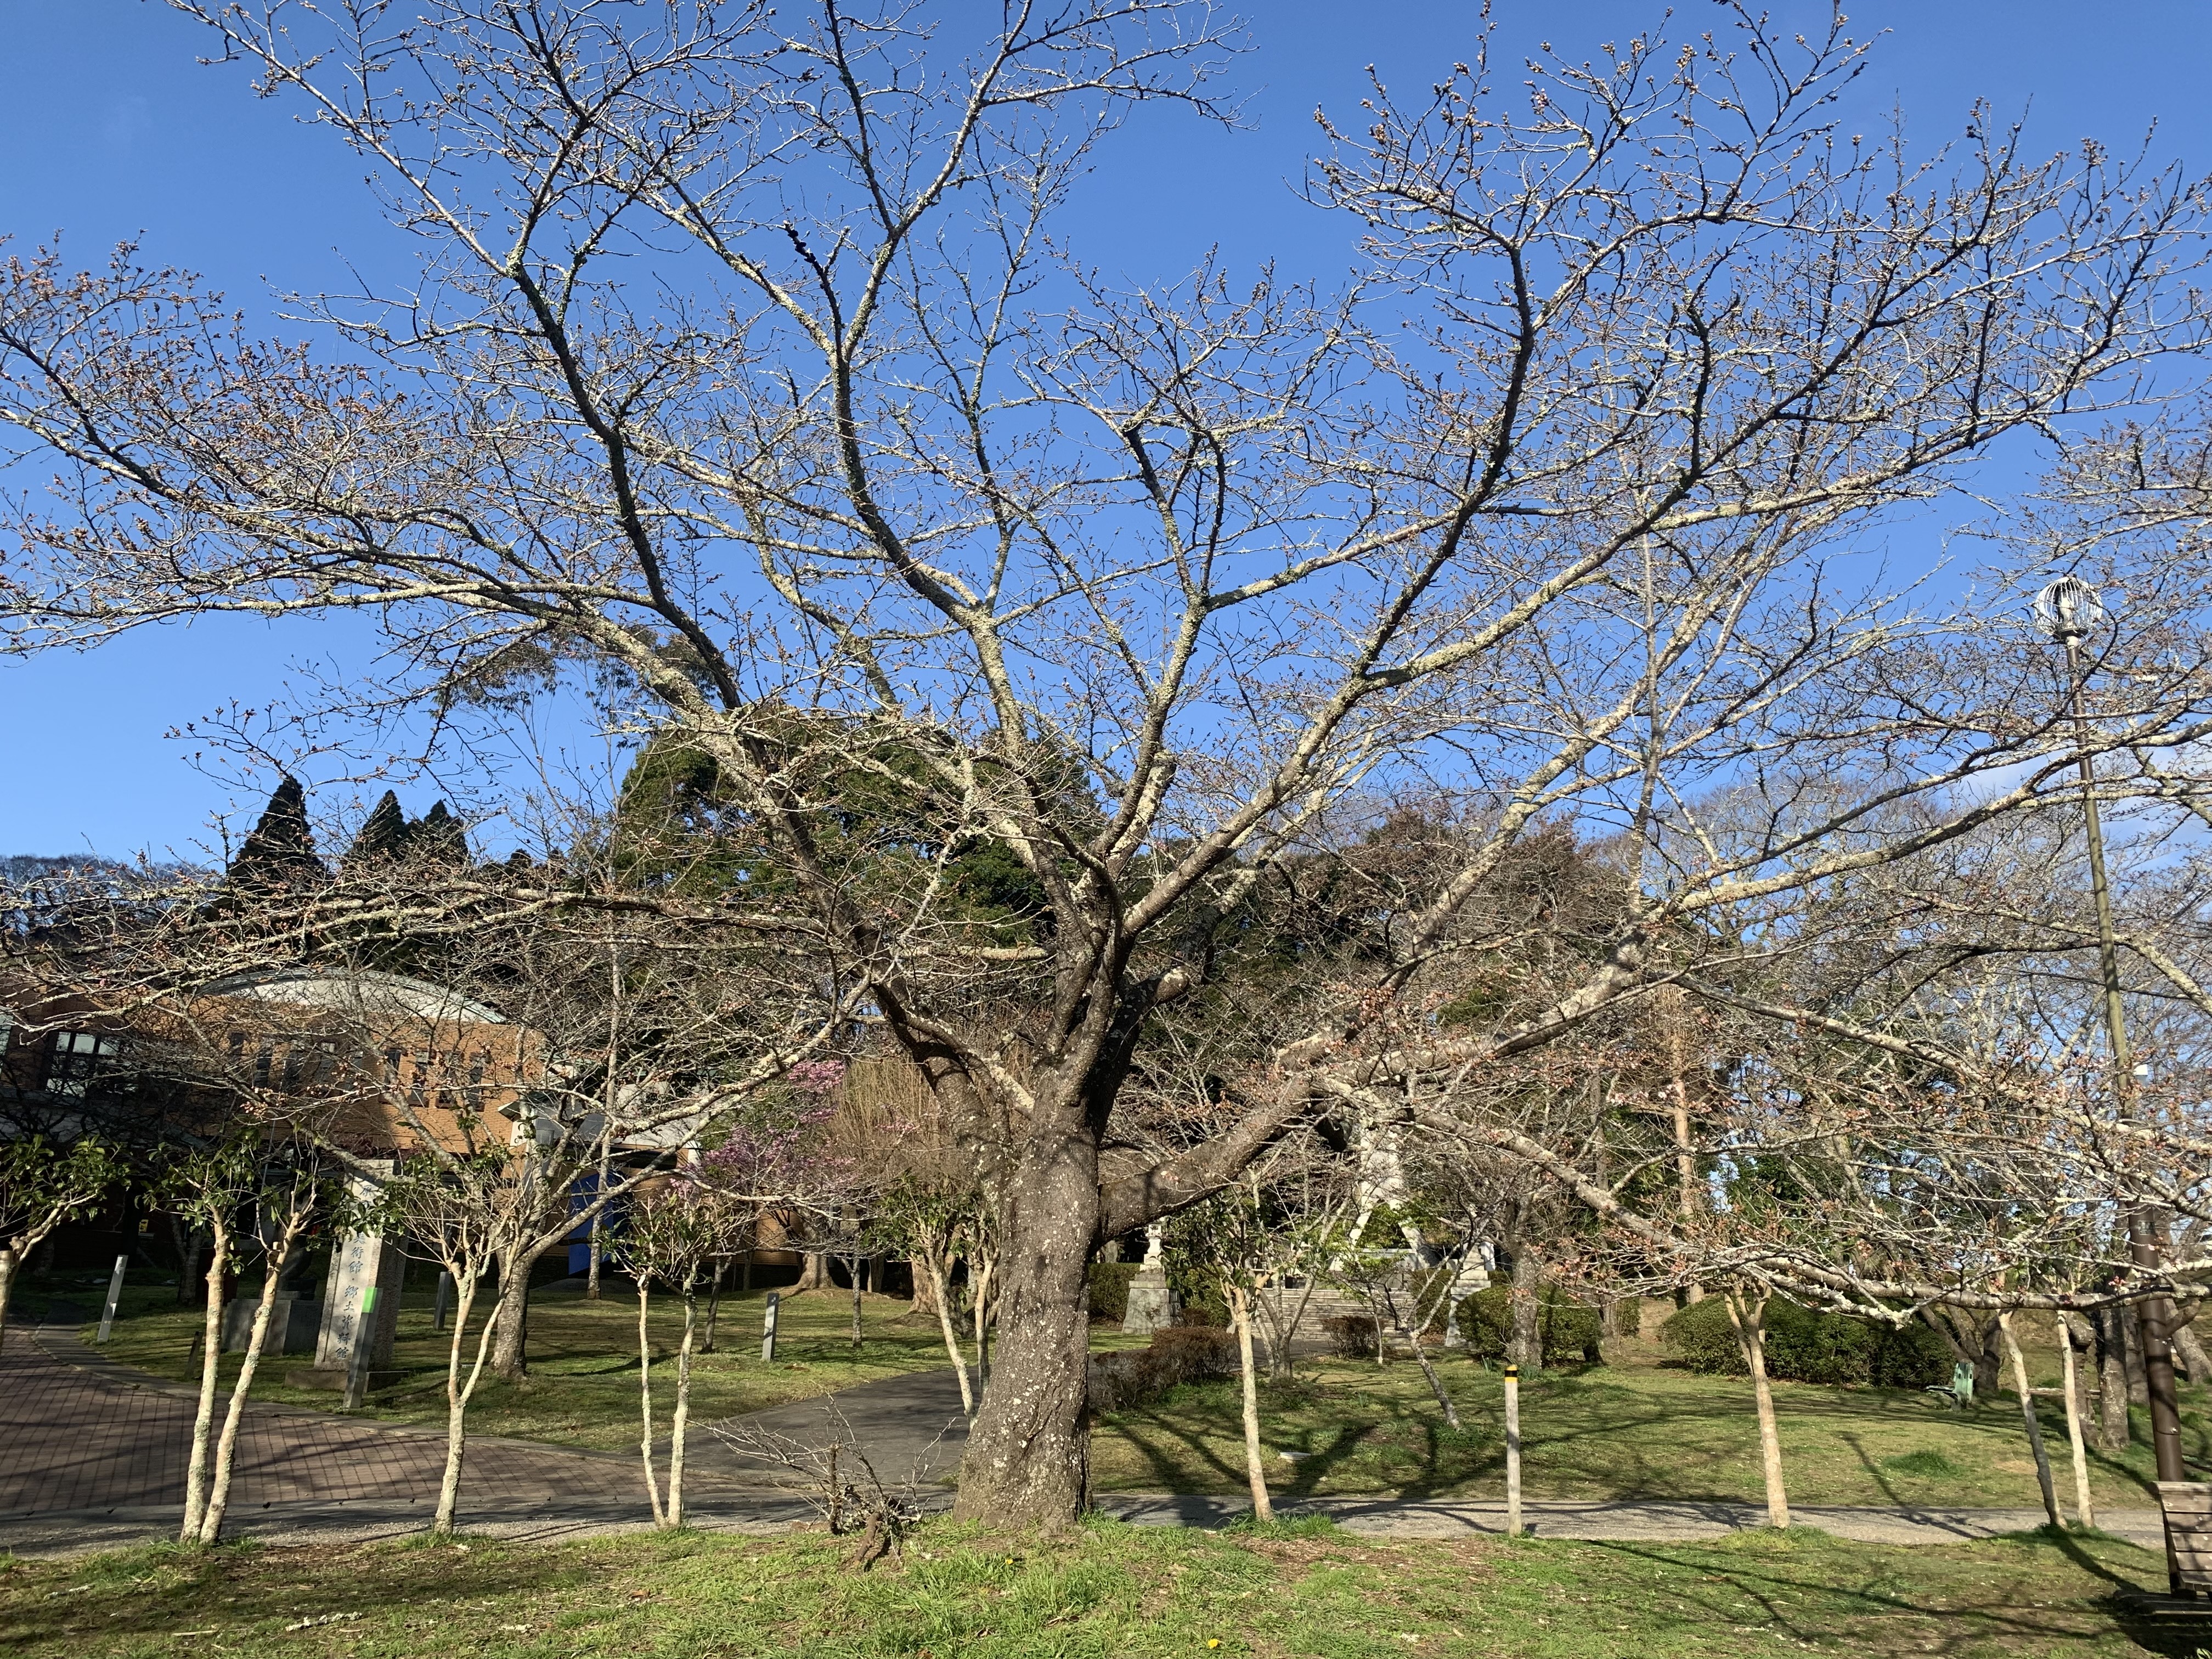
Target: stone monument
{"type": "Point", "coordinates": [358, 1262]}
{"type": "Point", "coordinates": [1151, 1299]}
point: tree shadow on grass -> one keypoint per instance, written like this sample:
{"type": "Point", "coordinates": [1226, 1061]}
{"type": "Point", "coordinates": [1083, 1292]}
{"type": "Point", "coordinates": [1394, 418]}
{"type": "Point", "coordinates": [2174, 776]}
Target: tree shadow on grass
{"type": "Point", "coordinates": [152, 1592]}
{"type": "Point", "coordinates": [1873, 1468]}
{"type": "Point", "coordinates": [1780, 1594]}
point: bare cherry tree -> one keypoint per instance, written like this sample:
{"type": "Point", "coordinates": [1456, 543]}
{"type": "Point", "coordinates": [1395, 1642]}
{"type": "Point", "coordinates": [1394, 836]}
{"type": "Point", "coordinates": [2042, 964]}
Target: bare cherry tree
{"type": "Point", "coordinates": [743, 373]}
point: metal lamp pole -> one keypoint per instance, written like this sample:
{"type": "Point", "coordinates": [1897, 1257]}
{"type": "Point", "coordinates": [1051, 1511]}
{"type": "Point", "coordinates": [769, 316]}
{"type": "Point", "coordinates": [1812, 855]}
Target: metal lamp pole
{"type": "Point", "coordinates": [2068, 610]}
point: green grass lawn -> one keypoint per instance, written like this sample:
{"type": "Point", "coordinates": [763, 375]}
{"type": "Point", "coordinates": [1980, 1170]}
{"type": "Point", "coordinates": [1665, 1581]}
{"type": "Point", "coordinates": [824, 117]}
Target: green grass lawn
{"type": "Point", "coordinates": [582, 1388]}
{"type": "Point", "coordinates": [1635, 1429]}
{"type": "Point", "coordinates": [1628, 1430]}
{"type": "Point", "coordinates": [1107, 1589]}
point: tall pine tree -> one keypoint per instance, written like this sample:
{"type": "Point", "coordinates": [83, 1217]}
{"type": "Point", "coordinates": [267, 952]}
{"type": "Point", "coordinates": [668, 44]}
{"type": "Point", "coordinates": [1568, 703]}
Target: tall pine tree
{"type": "Point", "coordinates": [280, 852]}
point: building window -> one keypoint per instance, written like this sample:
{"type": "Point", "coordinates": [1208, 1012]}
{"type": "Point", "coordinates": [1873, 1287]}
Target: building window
{"type": "Point", "coordinates": [75, 1059]}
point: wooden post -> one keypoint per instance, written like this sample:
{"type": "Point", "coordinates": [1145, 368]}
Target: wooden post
{"type": "Point", "coordinates": [114, 1296]}
{"type": "Point", "coordinates": [1512, 1451]}
{"type": "Point", "coordinates": [768, 1326]}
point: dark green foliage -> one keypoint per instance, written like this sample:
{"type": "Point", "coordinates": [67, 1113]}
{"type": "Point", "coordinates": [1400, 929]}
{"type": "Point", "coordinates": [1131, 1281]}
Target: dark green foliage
{"type": "Point", "coordinates": [1805, 1346]}
{"type": "Point", "coordinates": [1109, 1289]}
{"type": "Point", "coordinates": [383, 833]}
{"type": "Point", "coordinates": [1177, 1355]}
{"type": "Point", "coordinates": [1569, 1330]}
{"type": "Point", "coordinates": [1351, 1336]}
{"type": "Point", "coordinates": [881, 816]}
{"type": "Point", "coordinates": [438, 836]}
{"type": "Point", "coordinates": [280, 852]}
{"type": "Point", "coordinates": [387, 835]}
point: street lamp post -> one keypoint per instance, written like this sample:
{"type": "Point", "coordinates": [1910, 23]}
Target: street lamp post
{"type": "Point", "coordinates": [2068, 610]}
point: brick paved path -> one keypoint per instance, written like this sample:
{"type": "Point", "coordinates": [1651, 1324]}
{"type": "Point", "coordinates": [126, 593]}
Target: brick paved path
{"type": "Point", "coordinates": [85, 1436]}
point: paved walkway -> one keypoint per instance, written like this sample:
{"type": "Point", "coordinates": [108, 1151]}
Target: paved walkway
{"type": "Point", "coordinates": [97, 1455]}
{"type": "Point", "coordinates": [97, 1460]}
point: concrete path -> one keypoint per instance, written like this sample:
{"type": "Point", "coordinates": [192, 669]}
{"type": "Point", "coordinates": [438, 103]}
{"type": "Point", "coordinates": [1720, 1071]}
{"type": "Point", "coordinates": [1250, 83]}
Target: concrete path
{"type": "Point", "coordinates": [910, 1428]}
{"type": "Point", "coordinates": [97, 1457]}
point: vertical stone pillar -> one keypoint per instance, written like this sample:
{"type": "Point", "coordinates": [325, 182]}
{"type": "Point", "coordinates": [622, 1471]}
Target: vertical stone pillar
{"type": "Point", "coordinates": [359, 1260]}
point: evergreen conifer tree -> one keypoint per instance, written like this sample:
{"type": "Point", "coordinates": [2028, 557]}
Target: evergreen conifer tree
{"type": "Point", "coordinates": [437, 836]}
{"type": "Point", "coordinates": [384, 833]}
{"type": "Point", "coordinates": [281, 851]}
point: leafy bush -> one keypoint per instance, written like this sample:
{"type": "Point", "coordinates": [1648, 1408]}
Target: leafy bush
{"type": "Point", "coordinates": [1804, 1346]}
{"type": "Point", "coordinates": [1351, 1336]}
{"type": "Point", "coordinates": [1109, 1289]}
{"type": "Point", "coordinates": [1178, 1354]}
{"type": "Point", "coordinates": [1568, 1330]}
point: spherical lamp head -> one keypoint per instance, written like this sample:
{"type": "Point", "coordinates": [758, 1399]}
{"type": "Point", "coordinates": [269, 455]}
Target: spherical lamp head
{"type": "Point", "coordinates": [2068, 608]}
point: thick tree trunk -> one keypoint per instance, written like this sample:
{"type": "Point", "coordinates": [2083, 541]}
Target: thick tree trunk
{"type": "Point", "coordinates": [2190, 1351]}
{"type": "Point", "coordinates": [7, 1290]}
{"type": "Point", "coordinates": [1029, 1456]}
{"type": "Point", "coordinates": [1255, 1471]}
{"type": "Point", "coordinates": [510, 1316]}
{"type": "Point", "coordinates": [1747, 1313]}
{"type": "Point", "coordinates": [2112, 1427]}
{"type": "Point", "coordinates": [1988, 1358]}
{"type": "Point", "coordinates": [814, 1273]}
{"type": "Point", "coordinates": [1527, 1348]}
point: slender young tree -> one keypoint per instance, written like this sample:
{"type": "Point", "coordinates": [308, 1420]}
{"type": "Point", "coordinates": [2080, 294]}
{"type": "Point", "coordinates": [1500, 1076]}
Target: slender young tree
{"type": "Point", "coordinates": [671, 1237]}
{"type": "Point", "coordinates": [42, 1186]}
{"type": "Point", "coordinates": [459, 1210]}
{"type": "Point", "coordinates": [209, 1187]}
{"type": "Point", "coordinates": [1746, 1312]}
{"type": "Point", "coordinates": [287, 1195]}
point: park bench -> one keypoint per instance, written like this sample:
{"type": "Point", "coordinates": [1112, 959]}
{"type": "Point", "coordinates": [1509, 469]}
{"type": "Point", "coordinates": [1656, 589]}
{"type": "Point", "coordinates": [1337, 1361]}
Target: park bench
{"type": "Point", "coordinates": [2188, 1507]}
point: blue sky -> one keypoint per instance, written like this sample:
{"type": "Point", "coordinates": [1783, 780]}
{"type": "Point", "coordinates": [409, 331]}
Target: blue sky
{"type": "Point", "coordinates": [110, 128]}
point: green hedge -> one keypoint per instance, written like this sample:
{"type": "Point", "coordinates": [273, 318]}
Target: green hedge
{"type": "Point", "coordinates": [1805, 1347]}
{"type": "Point", "coordinates": [1569, 1330]}
{"type": "Point", "coordinates": [1109, 1289]}
{"type": "Point", "coordinates": [1131, 1377]}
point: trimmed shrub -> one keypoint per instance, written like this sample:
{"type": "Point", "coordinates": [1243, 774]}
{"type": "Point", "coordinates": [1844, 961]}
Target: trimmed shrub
{"type": "Point", "coordinates": [1110, 1290]}
{"type": "Point", "coordinates": [1351, 1336]}
{"type": "Point", "coordinates": [1568, 1330]}
{"type": "Point", "coordinates": [1177, 1355]}
{"type": "Point", "coordinates": [1804, 1346]}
